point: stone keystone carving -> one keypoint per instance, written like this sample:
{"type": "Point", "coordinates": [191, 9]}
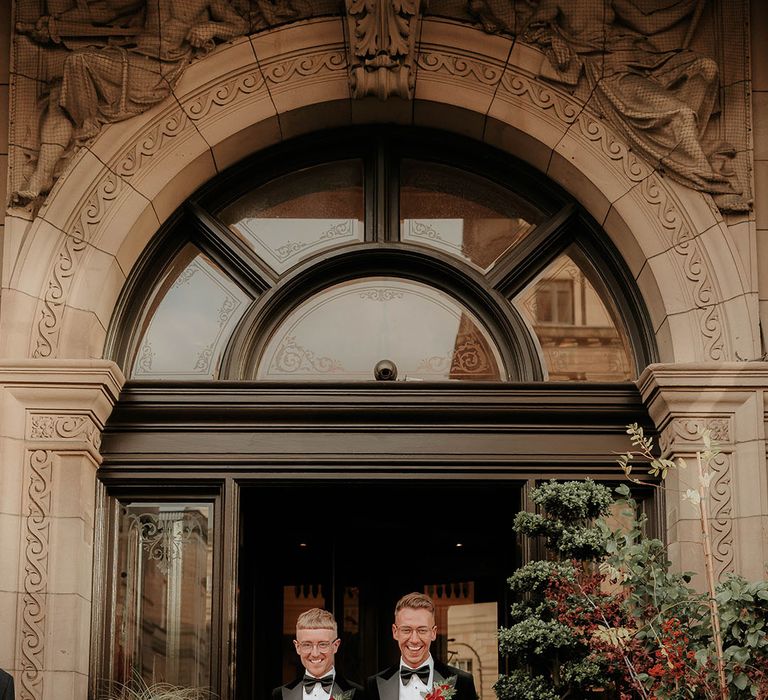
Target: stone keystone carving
{"type": "Point", "coordinates": [382, 38]}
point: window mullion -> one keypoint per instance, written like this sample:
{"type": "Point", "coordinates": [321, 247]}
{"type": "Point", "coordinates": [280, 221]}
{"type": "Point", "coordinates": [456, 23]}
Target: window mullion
{"type": "Point", "coordinates": [216, 240]}
{"type": "Point", "coordinates": [523, 262]}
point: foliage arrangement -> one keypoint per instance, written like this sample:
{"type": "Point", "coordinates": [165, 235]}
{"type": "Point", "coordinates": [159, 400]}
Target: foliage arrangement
{"type": "Point", "coordinates": [607, 616]}
{"type": "Point", "coordinates": [140, 690]}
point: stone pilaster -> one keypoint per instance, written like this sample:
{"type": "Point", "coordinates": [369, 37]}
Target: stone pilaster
{"type": "Point", "coordinates": [729, 399]}
{"type": "Point", "coordinates": [51, 417]}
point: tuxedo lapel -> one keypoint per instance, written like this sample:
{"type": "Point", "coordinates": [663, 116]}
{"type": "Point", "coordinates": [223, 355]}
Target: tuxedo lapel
{"type": "Point", "coordinates": [295, 693]}
{"type": "Point", "coordinates": [389, 688]}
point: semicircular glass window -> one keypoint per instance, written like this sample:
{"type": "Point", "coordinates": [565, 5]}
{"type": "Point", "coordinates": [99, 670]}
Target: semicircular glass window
{"type": "Point", "coordinates": [292, 217]}
{"type": "Point", "coordinates": [189, 320]}
{"type": "Point", "coordinates": [576, 324]}
{"type": "Point", "coordinates": [341, 333]}
{"type": "Point", "coordinates": [462, 214]}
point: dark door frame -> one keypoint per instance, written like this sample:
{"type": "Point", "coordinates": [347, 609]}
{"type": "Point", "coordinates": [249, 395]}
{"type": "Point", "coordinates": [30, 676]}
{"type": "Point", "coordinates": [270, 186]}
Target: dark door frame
{"type": "Point", "coordinates": [171, 440]}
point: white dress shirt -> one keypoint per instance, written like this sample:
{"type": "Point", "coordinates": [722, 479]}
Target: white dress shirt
{"type": "Point", "coordinates": [318, 692]}
{"type": "Point", "coordinates": [415, 687]}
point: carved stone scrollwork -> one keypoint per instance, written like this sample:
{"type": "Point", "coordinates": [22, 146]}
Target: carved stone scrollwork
{"type": "Point", "coordinates": [684, 434]}
{"type": "Point", "coordinates": [382, 39]}
{"type": "Point", "coordinates": [44, 426]}
{"type": "Point", "coordinates": [721, 505]}
{"type": "Point", "coordinates": [33, 603]}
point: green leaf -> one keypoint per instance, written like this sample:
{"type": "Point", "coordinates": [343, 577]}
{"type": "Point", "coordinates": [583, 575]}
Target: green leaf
{"type": "Point", "coordinates": [741, 681]}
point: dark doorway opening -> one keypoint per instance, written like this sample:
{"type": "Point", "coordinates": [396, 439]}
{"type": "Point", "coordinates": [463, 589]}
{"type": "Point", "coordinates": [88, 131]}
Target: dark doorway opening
{"type": "Point", "coordinates": [355, 549]}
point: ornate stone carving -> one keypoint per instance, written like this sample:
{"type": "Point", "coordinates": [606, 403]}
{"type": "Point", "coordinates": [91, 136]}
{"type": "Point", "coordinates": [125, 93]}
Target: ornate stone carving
{"type": "Point", "coordinates": [33, 605]}
{"type": "Point", "coordinates": [382, 46]}
{"type": "Point", "coordinates": [663, 101]}
{"type": "Point", "coordinates": [695, 267]}
{"type": "Point", "coordinates": [721, 523]}
{"type": "Point", "coordinates": [49, 426]}
{"type": "Point", "coordinates": [684, 434]}
{"type": "Point", "coordinates": [104, 65]}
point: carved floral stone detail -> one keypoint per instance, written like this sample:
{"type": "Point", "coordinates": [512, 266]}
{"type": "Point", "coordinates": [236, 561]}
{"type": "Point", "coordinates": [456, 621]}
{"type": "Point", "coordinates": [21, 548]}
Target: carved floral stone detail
{"type": "Point", "coordinates": [35, 584]}
{"type": "Point", "coordinates": [45, 426]}
{"type": "Point", "coordinates": [685, 433]}
{"type": "Point", "coordinates": [382, 46]}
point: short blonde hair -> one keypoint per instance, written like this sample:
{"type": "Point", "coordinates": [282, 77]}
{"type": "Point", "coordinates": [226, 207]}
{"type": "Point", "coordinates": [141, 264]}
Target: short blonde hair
{"type": "Point", "coordinates": [417, 601]}
{"type": "Point", "coordinates": [316, 619]}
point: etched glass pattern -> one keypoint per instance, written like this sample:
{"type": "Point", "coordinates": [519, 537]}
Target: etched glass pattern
{"type": "Point", "coordinates": [298, 215]}
{"type": "Point", "coordinates": [342, 332]}
{"type": "Point", "coordinates": [462, 214]}
{"type": "Point", "coordinates": [189, 321]}
{"type": "Point", "coordinates": [163, 588]}
{"type": "Point", "coordinates": [576, 326]}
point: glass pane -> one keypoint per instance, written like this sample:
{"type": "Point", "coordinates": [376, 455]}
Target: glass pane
{"type": "Point", "coordinates": [342, 332]}
{"type": "Point", "coordinates": [300, 214]}
{"type": "Point", "coordinates": [579, 335]}
{"type": "Point", "coordinates": [193, 313]}
{"type": "Point", "coordinates": [163, 584]}
{"type": "Point", "coordinates": [471, 633]}
{"type": "Point", "coordinates": [460, 213]}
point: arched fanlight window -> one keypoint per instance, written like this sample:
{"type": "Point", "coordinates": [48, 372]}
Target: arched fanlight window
{"type": "Point", "coordinates": [315, 260]}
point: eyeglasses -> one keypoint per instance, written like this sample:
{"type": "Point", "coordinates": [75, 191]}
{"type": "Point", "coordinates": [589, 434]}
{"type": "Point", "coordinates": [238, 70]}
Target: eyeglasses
{"type": "Point", "coordinates": [321, 646]}
{"type": "Point", "coordinates": [408, 631]}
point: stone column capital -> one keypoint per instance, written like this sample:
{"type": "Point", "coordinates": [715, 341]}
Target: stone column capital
{"type": "Point", "coordinates": [54, 404]}
{"type": "Point", "coordinates": [700, 388]}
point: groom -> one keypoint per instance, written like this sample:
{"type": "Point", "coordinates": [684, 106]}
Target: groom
{"type": "Point", "coordinates": [316, 643]}
{"type": "Point", "coordinates": [418, 674]}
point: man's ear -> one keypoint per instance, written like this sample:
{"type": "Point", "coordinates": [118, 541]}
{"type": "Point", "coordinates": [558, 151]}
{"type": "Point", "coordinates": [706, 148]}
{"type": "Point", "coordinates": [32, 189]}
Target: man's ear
{"type": "Point", "coordinates": [394, 631]}
{"type": "Point", "coordinates": [296, 646]}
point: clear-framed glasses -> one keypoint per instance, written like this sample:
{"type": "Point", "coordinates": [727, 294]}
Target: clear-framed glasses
{"type": "Point", "coordinates": [306, 647]}
{"type": "Point", "coordinates": [423, 632]}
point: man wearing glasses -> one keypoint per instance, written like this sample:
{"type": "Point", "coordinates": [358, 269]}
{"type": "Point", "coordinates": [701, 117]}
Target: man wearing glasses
{"type": "Point", "coordinates": [418, 676]}
{"type": "Point", "coordinates": [316, 644]}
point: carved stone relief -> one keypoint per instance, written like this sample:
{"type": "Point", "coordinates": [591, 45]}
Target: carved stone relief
{"type": "Point", "coordinates": [81, 65]}
{"type": "Point", "coordinates": [382, 40]}
{"type": "Point", "coordinates": [683, 436]}
{"type": "Point", "coordinates": [42, 428]}
{"type": "Point", "coordinates": [633, 64]}
{"type": "Point", "coordinates": [35, 585]}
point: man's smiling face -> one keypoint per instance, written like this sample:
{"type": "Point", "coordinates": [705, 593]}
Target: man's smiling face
{"type": "Point", "coordinates": [414, 630]}
{"type": "Point", "coordinates": [317, 650]}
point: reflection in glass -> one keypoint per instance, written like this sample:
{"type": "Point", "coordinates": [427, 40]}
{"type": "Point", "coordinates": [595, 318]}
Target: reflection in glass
{"type": "Point", "coordinates": [189, 321]}
{"type": "Point", "coordinates": [579, 336]}
{"type": "Point", "coordinates": [468, 633]}
{"type": "Point", "coordinates": [297, 215]}
{"type": "Point", "coordinates": [462, 214]}
{"type": "Point", "coordinates": [163, 612]}
{"type": "Point", "coordinates": [342, 332]}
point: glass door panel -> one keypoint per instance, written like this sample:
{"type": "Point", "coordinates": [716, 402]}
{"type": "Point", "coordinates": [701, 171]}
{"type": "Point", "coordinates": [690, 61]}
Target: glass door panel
{"type": "Point", "coordinates": [163, 588]}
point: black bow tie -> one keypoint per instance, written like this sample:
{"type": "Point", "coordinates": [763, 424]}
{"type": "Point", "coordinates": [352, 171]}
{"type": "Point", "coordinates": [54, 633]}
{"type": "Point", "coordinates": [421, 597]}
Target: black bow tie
{"type": "Point", "coordinates": [309, 682]}
{"type": "Point", "coordinates": [407, 673]}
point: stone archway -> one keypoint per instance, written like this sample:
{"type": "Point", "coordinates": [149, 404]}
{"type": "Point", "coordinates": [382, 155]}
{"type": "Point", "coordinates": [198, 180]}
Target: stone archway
{"type": "Point", "coordinates": [269, 87]}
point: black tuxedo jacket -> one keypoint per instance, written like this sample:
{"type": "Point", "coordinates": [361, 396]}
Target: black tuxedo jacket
{"type": "Point", "coordinates": [6, 686]}
{"type": "Point", "coordinates": [386, 684]}
{"type": "Point", "coordinates": [294, 691]}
